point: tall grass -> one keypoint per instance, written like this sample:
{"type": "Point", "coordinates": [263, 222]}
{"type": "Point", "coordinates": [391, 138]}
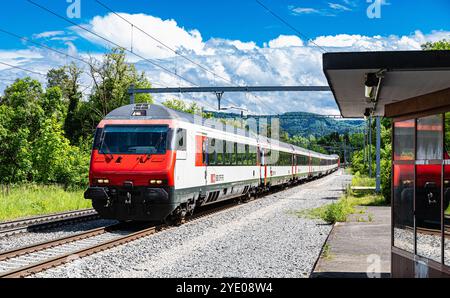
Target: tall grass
{"type": "Point", "coordinates": [31, 199]}
{"type": "Point", "coordinates": [361, 180]}
{"type": "Point", "coordinates": [341, 209]}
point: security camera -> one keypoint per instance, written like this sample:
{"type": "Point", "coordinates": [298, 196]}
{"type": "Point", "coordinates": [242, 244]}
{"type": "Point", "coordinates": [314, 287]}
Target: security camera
{"type": "Point", "coordinates": [367, 112]}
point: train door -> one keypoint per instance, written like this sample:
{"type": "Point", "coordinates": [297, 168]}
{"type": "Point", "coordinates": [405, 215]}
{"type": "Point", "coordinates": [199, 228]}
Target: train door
{"type": "Point", "coordinates": [309, 165]}
{"type": "Point", "coordinates": [294, 166]}
{"type": "Point", "coordinates": [201, 158]}
{"type": "Point", "coordinates": [263, 166]}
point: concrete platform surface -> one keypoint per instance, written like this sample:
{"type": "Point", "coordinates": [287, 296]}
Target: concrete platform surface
{"type": "Point", "coordinates": [358, 248]}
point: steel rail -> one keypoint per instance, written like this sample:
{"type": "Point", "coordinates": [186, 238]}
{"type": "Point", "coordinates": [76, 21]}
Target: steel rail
{"type": "Point", "coordinates": [64, 258]}
{"type": "Point", "coordinates": [43, 222]}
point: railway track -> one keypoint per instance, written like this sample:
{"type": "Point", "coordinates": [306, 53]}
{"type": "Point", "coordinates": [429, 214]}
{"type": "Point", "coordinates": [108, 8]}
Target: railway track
{"type": "Point", "coordinates": [43, 222]}
{"type": "Point", "coordinates": [35, 258]}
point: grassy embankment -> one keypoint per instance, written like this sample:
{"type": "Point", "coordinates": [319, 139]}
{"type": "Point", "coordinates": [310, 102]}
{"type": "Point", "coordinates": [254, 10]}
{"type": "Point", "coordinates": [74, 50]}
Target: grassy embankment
{"type": "Point", "coordinates": [347, 204]}
{"type": "Point", "coordinates": [31, 199]}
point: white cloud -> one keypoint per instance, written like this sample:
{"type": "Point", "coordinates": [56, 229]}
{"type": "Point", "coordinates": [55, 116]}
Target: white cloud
{"type": "Point", "coordinates": [337, 6]}
{"type": "Point", "coordinates": [283, 41]}
{"type": "Point", "coordinates": [304, 10]}
{"type": "Point", "coordinates": [380, 43]}
{"type": "Point", "coordinates": [48, 34]}
{"type": "Point", "coordinates": [284, 60]}
{"type": "Point", "coordinates": [166, 31]}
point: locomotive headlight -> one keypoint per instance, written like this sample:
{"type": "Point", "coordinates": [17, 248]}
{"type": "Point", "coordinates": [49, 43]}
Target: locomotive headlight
{"type": "Point", "coordinates": [155, 181]}
{"type": "Point", "coordinates": [102, 181]}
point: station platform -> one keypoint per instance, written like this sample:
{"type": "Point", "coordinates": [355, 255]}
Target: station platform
{"type": "Point", "coordinates": [358, 248]}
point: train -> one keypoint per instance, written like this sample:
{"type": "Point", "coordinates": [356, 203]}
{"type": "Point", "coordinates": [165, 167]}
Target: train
{"type": "Point", "coordinates": [152, 163]}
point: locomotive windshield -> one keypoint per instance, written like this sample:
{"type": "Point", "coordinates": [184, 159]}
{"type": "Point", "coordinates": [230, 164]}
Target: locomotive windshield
{"type": "Point", "coordinates": [133, 139]}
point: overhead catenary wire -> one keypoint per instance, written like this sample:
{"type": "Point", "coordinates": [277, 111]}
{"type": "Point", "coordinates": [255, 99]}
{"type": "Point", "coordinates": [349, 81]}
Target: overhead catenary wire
{"type": "Point", "coordinates": [173, 50]}
{"type": "Point", "coordinates": [110, 41]}
{"type": "Point", "coordinates": [164, 44]}
{"type": "Point", "coordinates": [54, 50]}
{"type": "Point", "coordinates": [289, 25]}
{"type": "Point", "coordinates": [42, 45]}
{"type": "Point", "coordinates": [37, 73]}
{"type": "Point", "coordinates": [24, 69]}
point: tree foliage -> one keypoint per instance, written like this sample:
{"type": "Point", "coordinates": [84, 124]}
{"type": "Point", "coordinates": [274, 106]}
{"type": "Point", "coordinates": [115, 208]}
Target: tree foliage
{"type": "Point", "coordinates": [436, 46]}
{"type": "Point", "coordinates": [46, 134]}
{"type": "Point", "coordinates": [180, 105]}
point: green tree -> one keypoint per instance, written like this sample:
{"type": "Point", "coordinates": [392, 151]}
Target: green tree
{"type": "Point", "coordinates": [15, 155]}
{"type": "Point", "coordinates": [55, 160]}
{"type": "Point", "coordinates": [438, 45]}
{"type": "Point", "coordinates": [112, 78]}
{"type": "Point", "coordinates": [72, 126]}
{"type": "Point", "coordinates": [25, 97]}
{"type": "Point", "coordinates": [57, 77]}
{"type": "Point", "coordinates": [52, 103]}
{"type": "Point", "coordinates": [180, 105]}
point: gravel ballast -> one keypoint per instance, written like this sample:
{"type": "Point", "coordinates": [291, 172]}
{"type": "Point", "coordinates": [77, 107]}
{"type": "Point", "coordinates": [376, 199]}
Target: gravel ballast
{"type": "Point", "coordinates": [262, 238]}
{"type": "Point", "coordinates": [29, 238]}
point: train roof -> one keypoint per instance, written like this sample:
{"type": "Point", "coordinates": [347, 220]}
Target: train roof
{"type": "Point", "coordinates": [144, 111]}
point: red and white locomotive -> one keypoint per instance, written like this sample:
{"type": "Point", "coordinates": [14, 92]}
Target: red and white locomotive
{"type": "Point", "coordinates": [151, 163]}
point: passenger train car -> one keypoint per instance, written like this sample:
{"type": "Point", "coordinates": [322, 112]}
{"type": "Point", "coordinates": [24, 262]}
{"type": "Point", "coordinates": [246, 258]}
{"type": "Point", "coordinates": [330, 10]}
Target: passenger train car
{"type": "Point", "coordinates": [151, 163]}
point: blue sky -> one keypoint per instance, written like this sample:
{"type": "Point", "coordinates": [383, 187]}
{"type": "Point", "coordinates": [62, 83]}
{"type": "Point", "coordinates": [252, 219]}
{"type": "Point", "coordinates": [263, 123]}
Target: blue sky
{"type": "Point", "coordinates": [244, 20]}
{"type": "Point", "coordinates": [238, 40]}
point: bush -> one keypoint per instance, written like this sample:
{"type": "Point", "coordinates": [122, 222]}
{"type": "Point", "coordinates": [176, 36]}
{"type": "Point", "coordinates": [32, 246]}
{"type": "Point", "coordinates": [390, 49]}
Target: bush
{"type": "Point", "coordinates": [337, 212]}
{"type": "Point", "coordinates": [55, 160]}
{"type": "Point", "coordinates": [360, 180]}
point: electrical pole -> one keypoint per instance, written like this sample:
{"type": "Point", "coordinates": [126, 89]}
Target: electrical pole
{"type": "Point", "coordinates": [364, 146]}
{"type": "Point", "coordinates": [219, 95]}
{"type": "Point", "coordinates": [378, 170]}
{"type": "Point", "coordinates": [132, 94]}
{"type": "Point", "coordinates": [370, 146]}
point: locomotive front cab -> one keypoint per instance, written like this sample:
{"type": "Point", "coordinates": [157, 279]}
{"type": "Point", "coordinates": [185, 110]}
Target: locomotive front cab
{"type": "Point", "coordinates": [131, 171]}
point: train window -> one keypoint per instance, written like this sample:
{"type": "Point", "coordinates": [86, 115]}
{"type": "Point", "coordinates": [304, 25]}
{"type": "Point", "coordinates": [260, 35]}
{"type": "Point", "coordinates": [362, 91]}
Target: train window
{"type": "Point", "coordinates": [212, 158]}
{"type": "Point", "coordinates": [404, 140]}
{"type": "Point", "coordinates": [180, 141]}
{"type": "Point", "coordinates": [212, 154]}
{"type": "Point", "coordinates": [226, 159]}
{"type": "Point", "coordinates": [247, 153]}
{"type": "Point", "coordinates": [204, 150]}
{"type": "Point", "coordinates": [241, 154]}
{"type": "Point", "coordinates": [429, 137]}
{"type": "Point", "coordinates": [98, 138]}
{"type": "Point", "coordinates": [268, 157]}
{"type": "Point", "coordinates": [219, 160]}
{"type": "Point", "coordinates": [134, 139]}
{"type": "Point", "coordinates": [234, 160]}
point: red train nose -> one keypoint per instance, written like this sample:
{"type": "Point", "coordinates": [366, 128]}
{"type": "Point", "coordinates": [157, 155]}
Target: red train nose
{"type": "Point", "coordinates": [140, 170]}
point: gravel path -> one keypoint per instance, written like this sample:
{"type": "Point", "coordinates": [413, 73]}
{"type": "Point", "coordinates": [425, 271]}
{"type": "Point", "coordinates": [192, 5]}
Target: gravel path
{"type": "Point", "coordinates": [24, 239]}
{"type": "Point", "coordinates": [258, 239]}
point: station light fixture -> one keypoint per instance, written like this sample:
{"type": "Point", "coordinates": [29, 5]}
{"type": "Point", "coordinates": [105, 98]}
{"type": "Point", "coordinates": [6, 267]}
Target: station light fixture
{"type": "Point", "coordinates": [371, 83]}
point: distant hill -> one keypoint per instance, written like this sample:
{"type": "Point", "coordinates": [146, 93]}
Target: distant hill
{"type": "Point", "coordinates": [305, 124]}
